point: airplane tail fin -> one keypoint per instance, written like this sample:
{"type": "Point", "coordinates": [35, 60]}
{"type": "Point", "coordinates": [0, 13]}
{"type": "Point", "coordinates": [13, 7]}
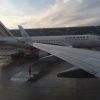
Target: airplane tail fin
{"type": "Point", "coordinates": [24, 34]}
{"type": "Point", "coordinates": [4, 32]}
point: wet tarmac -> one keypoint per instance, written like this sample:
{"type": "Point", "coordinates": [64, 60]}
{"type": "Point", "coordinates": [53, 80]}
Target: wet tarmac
{"type": "Point", "coordinates": [48, 86]}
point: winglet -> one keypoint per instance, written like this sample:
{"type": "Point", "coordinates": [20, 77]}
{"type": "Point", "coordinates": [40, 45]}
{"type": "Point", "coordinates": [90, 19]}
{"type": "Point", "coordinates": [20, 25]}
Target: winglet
{"type": "Point", "coordinates": [25, 36]}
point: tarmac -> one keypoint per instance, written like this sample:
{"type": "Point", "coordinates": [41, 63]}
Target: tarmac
{"type": "Point", "coordinates": [45, 85]}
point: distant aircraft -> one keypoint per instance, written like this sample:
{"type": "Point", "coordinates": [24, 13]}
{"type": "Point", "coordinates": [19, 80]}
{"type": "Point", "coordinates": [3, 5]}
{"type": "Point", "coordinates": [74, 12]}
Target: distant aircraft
{"type": "Point", "coordinates": [84, 59]}
{"type": "Point", "coordinates": [89, 41]}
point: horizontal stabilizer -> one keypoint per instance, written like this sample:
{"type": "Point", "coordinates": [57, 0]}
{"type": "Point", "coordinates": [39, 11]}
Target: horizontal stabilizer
{"type": "Point", "coordinates": [75, 72]}
{"type": "Point", "coordinates": [51, 58]}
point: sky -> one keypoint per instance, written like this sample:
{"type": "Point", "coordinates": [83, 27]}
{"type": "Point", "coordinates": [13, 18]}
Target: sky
{"type": "Point", "coordinates": [49, 13]}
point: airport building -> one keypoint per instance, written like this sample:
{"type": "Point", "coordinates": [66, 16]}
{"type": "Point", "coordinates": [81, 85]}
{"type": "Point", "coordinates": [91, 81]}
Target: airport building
{"type": "Point", "coordinates": [60, 31]}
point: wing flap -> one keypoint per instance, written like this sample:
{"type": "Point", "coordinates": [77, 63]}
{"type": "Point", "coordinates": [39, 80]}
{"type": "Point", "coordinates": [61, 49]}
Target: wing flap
{"type": "Point", "coordinates": [75, 72]}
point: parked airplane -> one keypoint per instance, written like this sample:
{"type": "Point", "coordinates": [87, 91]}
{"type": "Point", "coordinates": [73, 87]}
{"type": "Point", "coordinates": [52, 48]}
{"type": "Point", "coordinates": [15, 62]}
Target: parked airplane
{"type": "Point", "coordinates": [84, 59]}
{"type": "Point", "coordinates": [7, 38]}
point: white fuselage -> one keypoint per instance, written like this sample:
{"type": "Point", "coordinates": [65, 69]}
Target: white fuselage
{"type": "Point", "coordinates": [73, 40]}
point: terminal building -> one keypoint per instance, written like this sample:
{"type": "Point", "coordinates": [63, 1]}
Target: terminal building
{"type": "Point", "coordinates": [60, 31]}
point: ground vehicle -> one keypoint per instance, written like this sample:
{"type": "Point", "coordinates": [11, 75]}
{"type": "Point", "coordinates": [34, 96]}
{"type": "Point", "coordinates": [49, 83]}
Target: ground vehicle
{"type": "Point", "coordinates": [17, 55]}
{"type": "Point", "coordinates": [30, 54]}
{"type": "Point", "coordinates": [26, 54]}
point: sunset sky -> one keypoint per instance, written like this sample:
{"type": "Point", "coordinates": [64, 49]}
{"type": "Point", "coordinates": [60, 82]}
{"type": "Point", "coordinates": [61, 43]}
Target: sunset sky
{"type": "Point", "coordinates": [49, 13]}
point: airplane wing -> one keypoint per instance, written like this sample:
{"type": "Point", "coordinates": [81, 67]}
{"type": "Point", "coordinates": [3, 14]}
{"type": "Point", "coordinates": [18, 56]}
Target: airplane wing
{"type": "Point", "coordinates": [85, 59]}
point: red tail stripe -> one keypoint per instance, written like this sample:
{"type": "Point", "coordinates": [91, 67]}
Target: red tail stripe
{"type": "Point", "coordinates": [1, 34]}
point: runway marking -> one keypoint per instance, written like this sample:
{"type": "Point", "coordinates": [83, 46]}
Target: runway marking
{"type": "Point", "coordinates": [21, 77]}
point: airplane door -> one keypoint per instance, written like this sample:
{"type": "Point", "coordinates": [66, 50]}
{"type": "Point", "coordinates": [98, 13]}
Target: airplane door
{"type": "Point", "coordinates": [92, 40]}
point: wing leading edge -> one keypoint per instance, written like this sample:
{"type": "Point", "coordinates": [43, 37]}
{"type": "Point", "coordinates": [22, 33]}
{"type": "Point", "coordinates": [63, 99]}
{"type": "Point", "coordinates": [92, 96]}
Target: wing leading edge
{"type": "Point", "coordinates": [85, 59]}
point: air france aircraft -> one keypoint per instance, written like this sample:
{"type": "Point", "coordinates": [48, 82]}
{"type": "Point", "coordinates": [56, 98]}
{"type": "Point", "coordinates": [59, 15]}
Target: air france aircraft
{"type": "Point", "coordinates": [86, 60]}
{"type": "Point", "coordinates": [7, 38]}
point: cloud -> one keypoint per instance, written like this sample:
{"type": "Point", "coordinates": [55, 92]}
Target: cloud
{"type": "Point", "coordinates": [61, 13]}
{"type": "Point", "coordinates": [79, 0]}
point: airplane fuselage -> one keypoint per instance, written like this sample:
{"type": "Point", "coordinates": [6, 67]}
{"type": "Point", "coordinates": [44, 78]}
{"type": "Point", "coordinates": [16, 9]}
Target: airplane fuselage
{"type": "Point", "coordinates": [80, 41]}
{"type": "Point", "coordinates": [73, 40]}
